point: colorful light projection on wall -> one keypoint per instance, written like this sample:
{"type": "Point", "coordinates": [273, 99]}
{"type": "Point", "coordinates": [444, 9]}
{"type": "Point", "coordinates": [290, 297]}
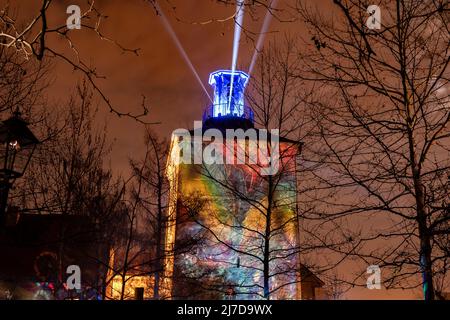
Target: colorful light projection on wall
{"type": "Point", "coordinates": [228, 101]}
{"type": "Point", "coordinates": [234, 225]}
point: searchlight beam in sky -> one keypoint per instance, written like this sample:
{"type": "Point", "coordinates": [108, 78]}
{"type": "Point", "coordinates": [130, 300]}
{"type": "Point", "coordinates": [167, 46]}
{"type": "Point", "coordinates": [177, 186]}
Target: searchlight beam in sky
{"type": "Point", "coordinates": [262, 35]}
{"type": "Point", "coordinates": [178, 44]}
{"type": "Point", "coordinates": [239, 20]}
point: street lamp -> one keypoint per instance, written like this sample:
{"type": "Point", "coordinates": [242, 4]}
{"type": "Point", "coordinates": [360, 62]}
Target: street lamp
{"type": "Point", "coordinates": [17, 144]}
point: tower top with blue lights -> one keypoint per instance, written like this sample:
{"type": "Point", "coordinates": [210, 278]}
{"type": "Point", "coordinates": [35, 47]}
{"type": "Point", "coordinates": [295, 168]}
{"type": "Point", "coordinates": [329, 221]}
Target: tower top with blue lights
{"type": "Point", "coordinates": [228, 103]}
{"type": "Point", "coordinates": [228, 73]}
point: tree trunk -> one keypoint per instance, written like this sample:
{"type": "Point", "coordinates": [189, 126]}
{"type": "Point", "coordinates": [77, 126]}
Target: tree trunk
{"type": "Point", "coordinates": [425, 242]}
{"type": "Point", "coordinates": [158, 235]}
{"type": "Point", "coordinates": [266, 263]}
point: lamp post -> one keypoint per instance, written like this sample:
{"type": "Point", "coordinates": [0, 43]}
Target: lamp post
{"type": "Point", "coordinates": [17, 144]}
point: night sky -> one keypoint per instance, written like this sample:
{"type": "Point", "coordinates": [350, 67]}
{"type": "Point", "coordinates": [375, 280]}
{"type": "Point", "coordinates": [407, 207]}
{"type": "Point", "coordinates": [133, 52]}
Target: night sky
{"type": "Point", "coordinates": [159, 72]}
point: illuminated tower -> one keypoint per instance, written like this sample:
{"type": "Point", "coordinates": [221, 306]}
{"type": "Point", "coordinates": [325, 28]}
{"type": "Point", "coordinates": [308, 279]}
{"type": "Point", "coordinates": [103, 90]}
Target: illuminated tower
{"type": "Point", "coordinates": [228, 109]}
{"type": "Point", "coordinates": [221, 206]}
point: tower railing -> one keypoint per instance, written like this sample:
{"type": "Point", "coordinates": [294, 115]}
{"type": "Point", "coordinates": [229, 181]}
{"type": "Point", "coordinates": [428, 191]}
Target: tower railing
{"type": "Point", "coordinates": [247, 113]}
